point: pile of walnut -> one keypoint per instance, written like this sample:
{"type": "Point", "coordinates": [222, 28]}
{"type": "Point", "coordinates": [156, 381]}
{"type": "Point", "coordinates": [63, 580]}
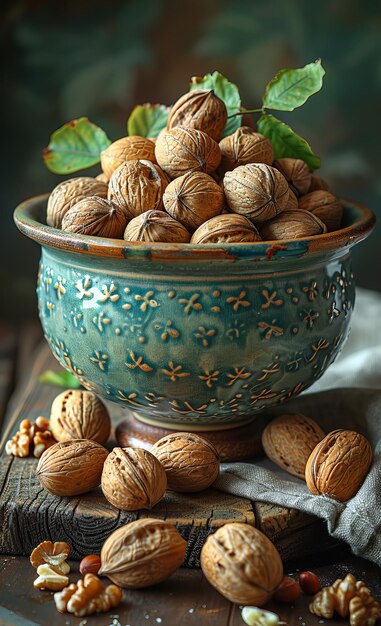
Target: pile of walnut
{"type": "Point", "coordinates": [131, 478]}
{"type": "Point", "coordinates": [184, 186]}
{"type": "Point", "coordinates": [31, 438]}
{"type": "Point", "coordinates": [333, 465]}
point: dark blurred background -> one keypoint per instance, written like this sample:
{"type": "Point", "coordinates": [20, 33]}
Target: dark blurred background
{"type": "Point", "coordinates": [62, 60]}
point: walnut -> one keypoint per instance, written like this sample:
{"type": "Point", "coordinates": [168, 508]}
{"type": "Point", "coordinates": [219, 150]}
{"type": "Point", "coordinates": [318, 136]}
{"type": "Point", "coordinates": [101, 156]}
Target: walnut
{"type": "Point", "coordinates": [338, 464]}
{"type": "Point", "coordinates": [200, 109]}
{"type": "Point", "coordinates": [347, 597]}
{"type": "Point", "coordinates": [296, 173]}
{"type": "Point", "coordinates": [156, 226]}
{"type": "Point", "coordinates": [257, 191]}
{"type": "Point", "coordinates": [193, 198]}
{"type": "Point", "coordinates": [317, 182]}
{"type": "Point", "coordinates": [88, 596]}
{"type": "Point", "coordinates": [133, 479]}
{"type": "Point", "coordinates": [130, 148]}
{"type": "Point", "coordinates": [292, 203]}
{"type": "Point", "coordinates": [226, 228]}
{"type": "Point", "coordinates": [137, 186]}
{"type": "Point", "coordinates": [32, 437]}
{"type": "Point", "coordinates": [288, 441]}
{"type": "Point", "coordinates": [68, 193]}
{"type": "Point", "coordinates": [292, 225]}
{"type": "Point", "coordinates": [71, 467]}
{"type": "Point", "coordinates": [96, 216]}
{"type": "Point", "coordinates": [52, 554]}
{"type": "Point", "coordinates": [325, 206]}
{"type": "Point", "coordinates": [182, 150]}
{"type": "Point", "coordinates": [103, 178]}
{"type": "Point", "coordinates": [77, 414]}
{"type": "Point", "coordinates": [242, 564]}
{"type": "Point", "coordinates": [245, 146]}
{"type": "Point", "coordinates": [50, 579]}
{"type": "Point", "coordinates": [191, 463]}
{"type": "Point", "coordinates": [142, 553]}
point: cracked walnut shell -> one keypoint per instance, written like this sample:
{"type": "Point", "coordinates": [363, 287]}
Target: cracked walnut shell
{"type": "Point", "coordinates": [137, 186]}
{"type": "Point", "coordinates": [183, 150]}
{"type": "Point", "coordinates": [77, 414]}
{"type": "Point", "coordinates": [325, 206]}
{"type": "Point", "coordinates": [142, 553]}
{"type": "Point", "coordinates": [88, 596]}
{"type": "Point", "coordinates": [200, 109]}
{"type": "Point", "coordinates": [156, 226]}
{"type": "Point", "coordinates": [71, 467]}
{"type": "Point", "coordinates": [191, 463]}
{"type": "Point", "coordinates": [288, 441]}
{"type": "Point", "coordinates": [245, 146]}
{"type": "Point", "coordinates": [96, 216]}
{"type": "Point", "coordinates": [52, 554]}
{"type": "Point", "coordinates": [292, 225]}
{"type": "Point", "coordinates": [133, 479]}
{"type": "Point", "coordinates": [193, 198]}
{"type": "Point", "coordinates": [242, 564]}
{"type": "Point", "coordinates": [256, 190]}
{"type": "Point", "coordinates": [68, 193]}
{"type": "Point", "coordinates": [338, 464]}
{"type": "Point", "coordinates": [132, 148]}
{"type": "Point", "coordinates": [226, 228]}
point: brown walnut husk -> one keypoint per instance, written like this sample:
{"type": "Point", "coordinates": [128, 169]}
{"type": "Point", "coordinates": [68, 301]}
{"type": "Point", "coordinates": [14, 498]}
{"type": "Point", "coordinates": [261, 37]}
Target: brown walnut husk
{"type": "Point", "coordinates": [200, 109]}
{"type": "Point", "coordinates": [292, 225]}
{"type": "Point", "coordinates": [78, 414]}
{"type": "Point", "coordinates": [96, 216]}
{"type": "Point", "coordinates": [191, 463]}
{"type": "Point", "coordinates": [242, 564]}
{"type": "Point", "coordinates": [142, 553]}
{"type": "Point", "coordinates": [296, 173]}
{"type": "Point", "coordinates": [68, 193]}
{"type": "Point", "coordinates": [338, 464]}
{"type": "Point", "coordinates": [137, 186]}
{"type": "Point", "coordinates": [325, 206]}
{"type": "Point", "coordinates": [156, 226]}
{"type": "Point", "coordinates": [245, 146]}
{"type": "Point", "coordinates": [182, 150]}
{"type": "Point", "coordinates": [193, 198]}
{"type": "Point", "coordinates": [132, 148]}
{"type": "Point", "coordinates": [133, 479]}
{"type": "Point", "coordinates": [256, 190]}
{"type": "Point", "coordinates": [226, 228]}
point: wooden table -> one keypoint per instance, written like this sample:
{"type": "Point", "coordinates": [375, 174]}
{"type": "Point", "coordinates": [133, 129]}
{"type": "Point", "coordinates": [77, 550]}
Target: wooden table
{"type": "Point", "coordinates": [186, 599]}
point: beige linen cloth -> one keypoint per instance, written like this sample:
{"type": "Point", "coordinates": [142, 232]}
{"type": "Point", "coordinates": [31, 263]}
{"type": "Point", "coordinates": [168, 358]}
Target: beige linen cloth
{"type": "Point", "coordinates": [347, 396]}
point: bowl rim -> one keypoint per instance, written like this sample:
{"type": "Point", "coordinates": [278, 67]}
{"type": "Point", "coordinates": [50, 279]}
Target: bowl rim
{"type": "Point", "coordinates": [26, 222]}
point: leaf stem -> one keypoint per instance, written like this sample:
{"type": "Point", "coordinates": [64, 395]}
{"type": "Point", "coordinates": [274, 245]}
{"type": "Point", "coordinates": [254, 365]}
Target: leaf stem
{"type": "Point", "coordinates": [244, 111]}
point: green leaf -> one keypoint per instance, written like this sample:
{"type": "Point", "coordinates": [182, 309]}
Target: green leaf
{"type": "Point", "coordinates": [227, 91]}
{"type": "Point", "coordinates": [286, 142]}
{"type": "Point", "coordinates": [291, 88]}
{"type": "Point", "coordinates": [75, 146]}
{"type": "Point", "coordinates": [60, 379]}
{"type": "Point", "coordinates": [147, 120]}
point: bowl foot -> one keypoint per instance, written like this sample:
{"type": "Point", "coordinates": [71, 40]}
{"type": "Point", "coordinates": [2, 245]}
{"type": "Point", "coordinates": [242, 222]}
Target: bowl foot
{"type": "Point", "coordinates": [233, 444]}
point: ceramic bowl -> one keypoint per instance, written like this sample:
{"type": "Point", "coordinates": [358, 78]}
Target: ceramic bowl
{"type": "Point", "coordinates": [195, 336]}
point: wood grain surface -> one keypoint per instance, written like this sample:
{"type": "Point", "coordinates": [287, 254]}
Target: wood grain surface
{"type": "Point", "coordinates": [28, 514]}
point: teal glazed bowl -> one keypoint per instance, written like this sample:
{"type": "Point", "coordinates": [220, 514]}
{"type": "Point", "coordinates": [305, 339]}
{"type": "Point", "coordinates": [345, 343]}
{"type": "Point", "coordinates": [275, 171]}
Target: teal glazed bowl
{"type": "Point", "coordinates": [198, 337]}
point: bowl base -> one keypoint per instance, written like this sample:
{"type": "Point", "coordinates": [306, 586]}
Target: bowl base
{"type": "Point", "coordinates": [233, 444]}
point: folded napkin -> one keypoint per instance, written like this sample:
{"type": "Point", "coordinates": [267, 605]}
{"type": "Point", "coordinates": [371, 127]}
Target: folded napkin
{"type": "Point", "coordinates": [347, 396]}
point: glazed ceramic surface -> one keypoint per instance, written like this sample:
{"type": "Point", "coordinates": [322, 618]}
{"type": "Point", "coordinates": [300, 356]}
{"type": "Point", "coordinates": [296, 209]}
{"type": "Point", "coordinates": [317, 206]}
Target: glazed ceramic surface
{"type": "Point", "coordinates": [198, 337]}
